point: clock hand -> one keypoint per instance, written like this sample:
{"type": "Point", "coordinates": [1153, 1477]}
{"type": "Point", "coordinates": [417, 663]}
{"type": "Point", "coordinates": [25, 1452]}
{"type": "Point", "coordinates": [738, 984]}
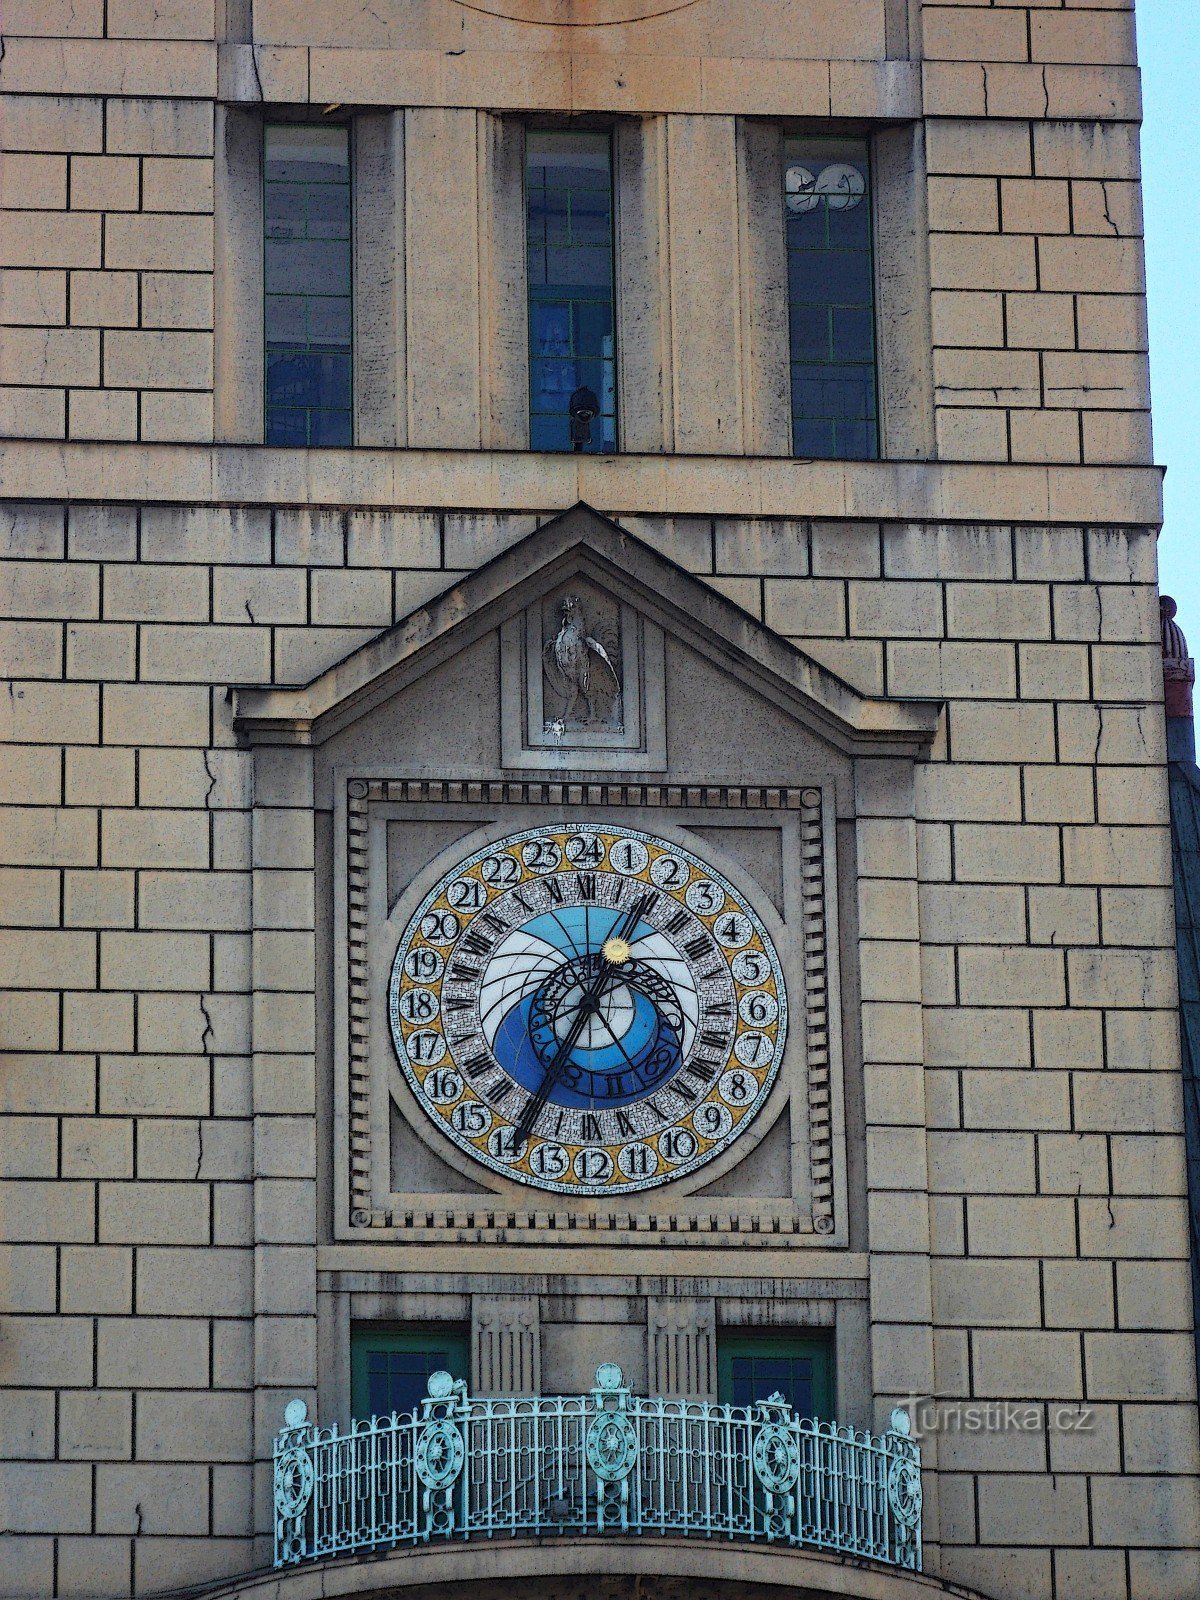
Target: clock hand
{"type": "Point", "coordinates": [613, 956]}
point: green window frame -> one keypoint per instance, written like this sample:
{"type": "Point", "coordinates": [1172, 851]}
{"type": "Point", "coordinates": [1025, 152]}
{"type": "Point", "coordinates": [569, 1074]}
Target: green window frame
{"type": "Point", "coordinates": [308, 272]}
{"type": "Point", "coordinates": [390, 1364]}
{"type": "Point", "coordinates": [831, 298]}
{"type": "Point", "coordinates": [752, 1365]}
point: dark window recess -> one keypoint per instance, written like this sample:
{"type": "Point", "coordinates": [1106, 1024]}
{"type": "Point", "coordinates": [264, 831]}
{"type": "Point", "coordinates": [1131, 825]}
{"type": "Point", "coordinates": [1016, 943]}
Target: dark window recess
{"type": "Point", "coordinates": [569, 237]}
{"type": "Point", "coordinates": [827, 207]}
{"type": "Point", "coordinates": [307, 282]}
{"type": "Point", "coordinates": [390, 1366]}
{"type": "Point", "coordinates": [754, 1366]}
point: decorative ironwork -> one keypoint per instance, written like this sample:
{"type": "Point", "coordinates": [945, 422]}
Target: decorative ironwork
{"type": "Point", "coordinates": [776, 1452]}
{"type": "Point", "coordinates": [463, 1467]}
{"type": "Point", "coordinates": [904, 1474]}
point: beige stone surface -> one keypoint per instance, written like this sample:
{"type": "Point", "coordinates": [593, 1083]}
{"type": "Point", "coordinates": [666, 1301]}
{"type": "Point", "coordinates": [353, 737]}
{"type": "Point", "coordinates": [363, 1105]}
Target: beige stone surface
{"type": "Point", "coordinates": [1013, 1102]}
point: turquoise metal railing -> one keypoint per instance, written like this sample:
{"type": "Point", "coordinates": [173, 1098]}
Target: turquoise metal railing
{"type": "Point", "coordinates": [463, 1467]}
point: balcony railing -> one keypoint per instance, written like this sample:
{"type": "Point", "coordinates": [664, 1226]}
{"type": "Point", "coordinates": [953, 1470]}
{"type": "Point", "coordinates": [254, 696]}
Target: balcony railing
{"type": "Point", "coordinates": [463, 1467]}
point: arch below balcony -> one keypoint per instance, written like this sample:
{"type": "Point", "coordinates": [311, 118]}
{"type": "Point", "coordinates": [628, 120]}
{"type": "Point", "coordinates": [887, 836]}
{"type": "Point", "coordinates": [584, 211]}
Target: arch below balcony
{"type": "Point", "coordinates": [567, 1569]}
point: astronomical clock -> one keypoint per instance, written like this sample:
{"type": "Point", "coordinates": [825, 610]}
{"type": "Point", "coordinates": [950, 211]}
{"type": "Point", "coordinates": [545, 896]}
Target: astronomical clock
{"type": "Point", "coordinates": [590, 1010]}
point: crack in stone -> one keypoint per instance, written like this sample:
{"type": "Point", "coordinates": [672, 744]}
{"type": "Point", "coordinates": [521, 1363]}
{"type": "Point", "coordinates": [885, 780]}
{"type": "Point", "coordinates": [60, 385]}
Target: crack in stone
{"type": "Point", "coordinates": [208, 1036]}
{"type": "Point", "coordinates": [212, 781]}
{"type": "Point", "coordinates": [1108, 217]}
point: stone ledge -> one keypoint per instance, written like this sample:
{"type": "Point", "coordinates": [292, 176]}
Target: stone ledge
{"type": "Point", "coordinates": [560, 1569]}
{"type": "Point", "coordinates": [499, 480]}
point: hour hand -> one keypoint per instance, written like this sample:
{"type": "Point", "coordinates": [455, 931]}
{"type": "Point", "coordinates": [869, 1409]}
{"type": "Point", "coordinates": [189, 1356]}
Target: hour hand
{"type": "Point", "coordinates": [613, 956]}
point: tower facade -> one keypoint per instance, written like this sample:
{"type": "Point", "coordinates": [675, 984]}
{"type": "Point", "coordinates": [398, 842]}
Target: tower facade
{"type": "Point", "coordinates": [585, 788]}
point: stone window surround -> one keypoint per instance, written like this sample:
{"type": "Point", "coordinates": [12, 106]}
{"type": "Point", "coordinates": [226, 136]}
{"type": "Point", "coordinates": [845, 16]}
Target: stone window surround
{"type": "Point", "coordinates": [659, 410]}
{"type": "Point", "coordinates": [507, 1316]}
{"type": "Point", "coordinates": [375, 1214]}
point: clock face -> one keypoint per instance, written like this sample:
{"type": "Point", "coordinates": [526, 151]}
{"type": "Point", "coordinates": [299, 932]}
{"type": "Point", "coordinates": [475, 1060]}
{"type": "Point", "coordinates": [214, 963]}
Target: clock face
{"type": "Point", "coordinates": [588, 1010]}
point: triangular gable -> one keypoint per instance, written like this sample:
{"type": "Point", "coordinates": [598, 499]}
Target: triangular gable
{"type": "Point", "coordinates": [581, 540]}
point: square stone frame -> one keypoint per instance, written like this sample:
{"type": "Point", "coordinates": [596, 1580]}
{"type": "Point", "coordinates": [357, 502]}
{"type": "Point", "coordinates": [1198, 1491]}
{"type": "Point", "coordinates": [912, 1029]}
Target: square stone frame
{"type": "Point", "coordinates": [364, 1208]}
{"type": "Point", "coordinates": [641, 746]}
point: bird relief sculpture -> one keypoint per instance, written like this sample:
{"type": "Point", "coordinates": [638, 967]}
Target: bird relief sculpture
{"type": "Point", "coordinates": [581, 679]}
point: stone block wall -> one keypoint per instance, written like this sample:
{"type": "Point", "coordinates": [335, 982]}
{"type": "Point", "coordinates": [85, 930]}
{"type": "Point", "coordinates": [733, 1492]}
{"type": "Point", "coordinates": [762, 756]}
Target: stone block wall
{"type": "Point", "coordinates": [163, 1209]}
{"type": "Point", "coordinates": [1028, 181]}
{"type": "Point", "coordinates": [1022, 1095]}
{"type": "Point", "coordinates": [107, 265]}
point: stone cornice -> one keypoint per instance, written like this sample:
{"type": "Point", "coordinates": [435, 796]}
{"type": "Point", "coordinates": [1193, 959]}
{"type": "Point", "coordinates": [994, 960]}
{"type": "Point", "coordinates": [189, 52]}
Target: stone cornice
{"type": "Point", "coordinates": [496, 480]}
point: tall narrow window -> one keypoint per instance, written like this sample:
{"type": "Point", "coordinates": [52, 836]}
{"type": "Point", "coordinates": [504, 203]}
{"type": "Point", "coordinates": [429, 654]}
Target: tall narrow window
{"type": "Point", "coordinates": [831, 298]}
{"type": "Point", "coordinates": [306, 205]}
{"type": "Point", "coordinates": [569, 234]}
{"type": "Point", "coordinates": [390, 1366]}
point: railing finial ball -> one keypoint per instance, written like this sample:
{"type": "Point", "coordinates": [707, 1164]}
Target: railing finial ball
{"type": "Point", "coordinates": [295, 1414]}
{"type": "Point", "coordinates": [441, 1384]}
{"type": "Point", "coordinates": [609, 1376]}
{"type": "Point", "coordinates": [900, 1421]}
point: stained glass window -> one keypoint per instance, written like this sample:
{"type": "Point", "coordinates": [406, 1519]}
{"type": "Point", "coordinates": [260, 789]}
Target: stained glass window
{"type": "Point", "coordinates": [307, 264]}
{"type": "Point", "coordinates": [827, 207]}
{"type": "Point", "coordinates": [569, 236]}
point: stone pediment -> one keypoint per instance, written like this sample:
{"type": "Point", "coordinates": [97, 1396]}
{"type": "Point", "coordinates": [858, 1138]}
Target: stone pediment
{"type": "Point", "coordinates": [581, 549]}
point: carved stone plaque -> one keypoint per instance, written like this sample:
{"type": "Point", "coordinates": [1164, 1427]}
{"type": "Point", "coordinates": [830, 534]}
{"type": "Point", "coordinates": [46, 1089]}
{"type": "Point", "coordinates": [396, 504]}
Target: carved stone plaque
{"type": "Point", "coordinates": [582, 671]}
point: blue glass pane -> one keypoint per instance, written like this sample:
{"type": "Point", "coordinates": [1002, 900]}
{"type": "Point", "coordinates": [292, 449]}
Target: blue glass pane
{"type": "Point", "coordinates": [810, 333]}
{"type": "Point", "coordinates": [549, 329]}
{"type": "Point", "coordinates": [329, 427]}
{"type": "Point", "coordinates": [285, 319]}
{"type": "Point", "coordinates": [554, 217]}
{"type": "Point", "coordinates": [756, 1377]}
{"type": "Point", "coordinates": [329, 321]}
{"type": "Point", "coordinates": [329, 211]}
{"type": "Point", "coordinates": [811, 438]}
{"type": "Point", "coordinates": [286, 427]}
{"type": "Point", "coordinates": [851, 227]}
{"type": "Point", "coordinates": [579, 266]}
{"type": "Point", "coordinates": [831, 391]}
{"type": "Point", "coordinates": [853, 334]}
{"type": "Point", "coordinates": [308, 266]}
{"type": "Point", "coordinates": [307, 154]}
{"type": "Point", "coordinates": [593, 324]}
{"type": "Point", "coordinates": [831, 298]}
{"type": "Point", "coordinates": [590, 374]}
{"type": "Point", "coordinates": [307, 378]}
{"type": "Point", "coordinates": [590, 220]}
{"type": "Point", "coordinates": [398, 1380]}
{"type": "Point", "coordinates": [830, 277]}
{"type": "Point", "coordinates": [857, 440]}
{"type": "Point", "coordinates": [549, 432]}
{"type": "Point", "coordinates": [554, 382]}
{"type": "Point", "coordinates": [285, 210]}
{"type": "Point", "coordinates": [809, 230]}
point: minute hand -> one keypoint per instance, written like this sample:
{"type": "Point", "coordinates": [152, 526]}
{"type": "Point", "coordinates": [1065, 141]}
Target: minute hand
{"type": "Point", "coordinates": [609, 968]}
